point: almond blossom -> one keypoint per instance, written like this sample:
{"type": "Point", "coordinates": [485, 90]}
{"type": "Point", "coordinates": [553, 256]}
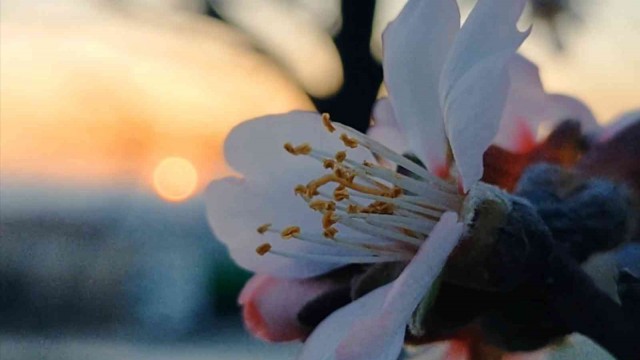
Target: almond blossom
{"type": "Point", "coordinates": [317, 196]}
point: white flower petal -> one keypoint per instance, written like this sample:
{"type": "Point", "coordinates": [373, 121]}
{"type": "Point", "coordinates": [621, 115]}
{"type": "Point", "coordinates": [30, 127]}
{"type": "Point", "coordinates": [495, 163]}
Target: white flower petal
{"type": "Point", "coordinates": [415, 48]}
{"type": "Point", "coordinates": [386, 129]}
{"type": "Point", "coordinates": [490, 29]}
{"type": "Point", "coordinates": [528, 107]}
{"type": "Point", "coordinates": [380, 335]}
{"type": "Point", "coordinates": [474, 81]}
{"type": "Point", "coordinates": [417, 278]}
{"type": "Point", "coordinates": [620, 123]}
{"type": "Point", "coordinates": [254, 148]}
{"type": "Point", "coordinates": [325, 339]}
{"type": "Point", "coordinates": [473, 112]}
{"type": "Point", "coordinates": [236, 207]}
{"type": "Point", "coordinates": [376, 338]}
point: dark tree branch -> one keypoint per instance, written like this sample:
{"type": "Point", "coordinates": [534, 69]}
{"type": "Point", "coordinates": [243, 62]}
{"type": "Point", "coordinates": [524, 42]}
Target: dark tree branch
{"type": "Point", "coordinates": [362, 73]}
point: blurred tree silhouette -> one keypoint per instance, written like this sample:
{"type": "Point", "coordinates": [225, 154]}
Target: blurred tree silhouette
{"type": "Point", "coordinates": [352, 104]}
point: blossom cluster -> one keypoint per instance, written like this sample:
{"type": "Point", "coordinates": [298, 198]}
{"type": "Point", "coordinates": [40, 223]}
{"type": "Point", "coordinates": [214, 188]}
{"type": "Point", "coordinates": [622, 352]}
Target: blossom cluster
{"type": "Point", "coordinates": [350, 234]}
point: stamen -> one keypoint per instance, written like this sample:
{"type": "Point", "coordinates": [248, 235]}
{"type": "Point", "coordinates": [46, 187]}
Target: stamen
{"type": "Point", "coordinates": [330, 232]}
{"type": "Point", "coordinates": [343, 259]}
{"type": "Point", "coordinates": [263, 249]}
{"type": "Point", "coordinates": [320, 205]}
{"type": "Point", "coordinates": [340, 193]}
{"type": "Point", "coordinates": [348, 142]}
{"type": "Point", "coordinates": [328, 219]}
{"type": "Point", "coordinates": [290, 231]}
{"type": "Point", "coordinates": [300, 190]}
{"type": "Point", "coordinates": [302, 149]}
{"type": "Point", "coordinates": [373, 230]}
{"type": "Point", "coordinates": [385, 152]}
{"type": "Point", "coordinates": [421, 226]}
{"type": "Point", "coordinates": [290, 149]}
{"type": "Point", "coordinates": [326, 121]}
{"type": "Point", "coordinates": [391, 217]}
{"type": "Point", "coordinates": [263, 228]}
{"type": "Point", "coordinates": [328, 163]}
{"type": "Point", "coordinates": [400, 202]}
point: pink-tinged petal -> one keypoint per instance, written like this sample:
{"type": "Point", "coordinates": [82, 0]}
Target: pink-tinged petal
{"type": "Point", "coordinates": [529, 107]}
{"type": "Point", "coordinates": [415, 47]}
{"type": "Point", "coordinates": [385, 128]}
{"type": "Point", "coordinates": [270, 305]}
{"type": "Point", "coordinates": [380, 335]}
{"type": "Point", "coordinates": [458, 350]}
{"type": "Point", "coordinates": [620, 123]}
{"type": "Point", "coordinates": [473, 112]}
{"type": "Point", "coordinates": [325, 339]}
{"type": "Point", "coordinates": [236, 207]}
{"type": "Point", "coordinates": [562, 107]}
{"type": "Point", "coordinates": [523, 108]}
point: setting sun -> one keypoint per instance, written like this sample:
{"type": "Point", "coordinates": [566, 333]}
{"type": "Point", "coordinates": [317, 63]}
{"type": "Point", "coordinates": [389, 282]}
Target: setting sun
{"type": "Point", "coordinates": [175, 179]}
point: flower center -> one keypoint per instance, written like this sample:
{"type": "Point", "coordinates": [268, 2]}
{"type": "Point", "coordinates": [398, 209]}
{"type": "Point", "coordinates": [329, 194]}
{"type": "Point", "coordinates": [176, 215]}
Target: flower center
{"type": "Point", "coordinates": [393, 213]}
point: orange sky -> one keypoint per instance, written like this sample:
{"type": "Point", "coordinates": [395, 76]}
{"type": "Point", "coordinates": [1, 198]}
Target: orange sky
{"type": "Point", "coordinates": [113, 94]}
{"type": "Point", "coordinates": [96, 94]}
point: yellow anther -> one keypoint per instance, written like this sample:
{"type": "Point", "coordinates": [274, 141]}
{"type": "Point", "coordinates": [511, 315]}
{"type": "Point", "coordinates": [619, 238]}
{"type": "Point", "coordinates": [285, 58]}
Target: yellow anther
{"type": "Point", "coordinates": [303, 149]}
{"type": "Point", "coordinates": [318, 205]}
{"type": "Point", "coordinates": [340, 193]}
{"type": "Point", "coordinates": [328, 219]}
{"type": "Point", "coordinates": [353, 209]}
{"type": "Point", "coordinates": [330, 206]}
{"type": "Point", "coordinates": [290, 231]}
{"type": "Point", "coordinates": [326, 121]}
{"type": "Point", "coordinates": [263, 249]}
{"type": "Point", "coordinates": [380, 207]}
{"type": "Point", "coordinates": [300, 190]}
{"type": "Point", "coordinates": [263, 228]}
{"type": "Point", "coordinates": [290, 149]}
{"type": "Point", "coordinates": [409, 232]}
{"type": "Point", "coordinates": [396, 192]}
{"type": "Point", "coordinates": [329, 163]}
{"type": "Point", "coordinates": [330, 232]}
{"type": "Point", "coordinates": [340, 156]}
{"type": "Point", "coordinates": [348, 142]}
{"type": "Point", "coordinates": [311, 192]}
{"type": "Point", "coordinates": [344, 174]}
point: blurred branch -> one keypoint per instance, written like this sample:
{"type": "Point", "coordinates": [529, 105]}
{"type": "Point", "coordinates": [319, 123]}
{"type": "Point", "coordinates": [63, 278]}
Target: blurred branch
{"type": "Point", "coordinates": [362, 73]}
{"type": "Point", "coordinates": [210, 11]}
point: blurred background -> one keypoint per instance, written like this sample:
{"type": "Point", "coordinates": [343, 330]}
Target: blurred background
{"type": "Point", "coordinates": [112, 118]}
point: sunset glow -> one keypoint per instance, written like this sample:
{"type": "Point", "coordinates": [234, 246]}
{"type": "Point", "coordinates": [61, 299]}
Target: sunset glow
{"type": "Point", "coordinates": [175, 179]}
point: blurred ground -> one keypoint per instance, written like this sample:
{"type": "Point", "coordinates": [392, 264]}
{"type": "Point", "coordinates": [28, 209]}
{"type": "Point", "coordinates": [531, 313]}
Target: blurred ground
{"type": "Point", "coordinates": [229, 342]}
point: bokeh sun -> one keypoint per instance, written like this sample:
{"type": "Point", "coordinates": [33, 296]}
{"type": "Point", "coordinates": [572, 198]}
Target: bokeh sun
{"type": "Point", "coordinates": [175, 179]}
